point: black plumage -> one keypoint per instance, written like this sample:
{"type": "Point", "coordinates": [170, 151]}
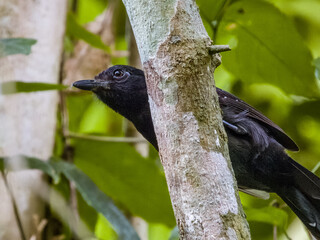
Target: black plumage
{"type": "Point", "coordinates": [256, 144]}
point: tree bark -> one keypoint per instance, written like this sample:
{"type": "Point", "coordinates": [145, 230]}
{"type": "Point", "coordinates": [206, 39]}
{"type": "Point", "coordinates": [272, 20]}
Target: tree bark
{"type": "Point", "coordinates": [139, 224]}
{"type": "Point", "coordinates": [28, 121]}
{"type": "Point", "coordinates": [174, 50]}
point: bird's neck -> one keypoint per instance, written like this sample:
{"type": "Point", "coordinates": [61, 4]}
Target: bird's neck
{"type": "Point", "coordinates": [136, 109]}
{"type": "Point", "coordinates": [140, 116]}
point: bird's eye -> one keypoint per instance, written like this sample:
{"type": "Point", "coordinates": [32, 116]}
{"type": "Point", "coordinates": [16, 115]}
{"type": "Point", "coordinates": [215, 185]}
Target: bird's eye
{"type": "Point", "coordinates": [118, 73]}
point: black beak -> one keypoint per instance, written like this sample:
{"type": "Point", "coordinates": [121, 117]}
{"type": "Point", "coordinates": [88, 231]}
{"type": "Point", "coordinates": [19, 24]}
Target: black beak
{"type": "Point", "coordinates": [87, 84]}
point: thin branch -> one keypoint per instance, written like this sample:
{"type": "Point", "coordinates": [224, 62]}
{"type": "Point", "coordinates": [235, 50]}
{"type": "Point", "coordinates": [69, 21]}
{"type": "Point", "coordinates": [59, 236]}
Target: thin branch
{"type": "Point", "coordinates": [287, 236]}
{"type": "Point", "coordinates": [68, 156]}
{"type": "Point", "coordinates": [106, 139]}
{"type": "Point", "coordinates": [275, 232]}
{"type": "Point", "coordinates": [64, 117]}
{"type": "Point", "coordinates": [218, 18]}
{"type": "Point", "coordinates": [14, 205]}
{"type": "Point", "coordinates": [316, 167]}
{"type": "Point", "coordinates": [218, 48]}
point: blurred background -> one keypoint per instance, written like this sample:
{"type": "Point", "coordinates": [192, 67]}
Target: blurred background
{"type": "Point", "coordinates": [96, 177]}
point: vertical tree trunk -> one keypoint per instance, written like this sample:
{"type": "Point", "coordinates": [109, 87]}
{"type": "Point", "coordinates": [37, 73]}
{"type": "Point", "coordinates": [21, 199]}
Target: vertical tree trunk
{"type": "Point", "coordinates": [140, 225]}
{"type": "Point", "coordinates": [28, 120]}
{"type": "Point", "coordinates": [173, 46]}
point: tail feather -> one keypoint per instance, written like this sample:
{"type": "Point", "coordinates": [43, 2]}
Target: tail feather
{"type": "Point", "coordinates": [303, 208]}
{"type": "Point", "coordinates": [308, 183]}
{"type": "Point", "coordinates": [303, 197]}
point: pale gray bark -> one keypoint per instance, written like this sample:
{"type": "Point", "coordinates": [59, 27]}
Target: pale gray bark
{"type": "Point", "coordinates": [139, 224]}
{"type": "Point", "coordinates": [28, 120]}
{"type": "Point", "coordinates": [174, 50]}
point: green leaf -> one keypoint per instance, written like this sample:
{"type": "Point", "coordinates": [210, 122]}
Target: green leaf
{"type": "Point", "coordinates": [270, 215]}
{"type": "Point", "coordinates": [95, 198]}
{"type": "Point", "coordinates": [316, 63]}
{"type": "Point", "coordinates": [100, 119]}
{"type": "Point", "coordinates": [19, 87]}
{"type": "Point", "coordinates": [87, 11]}
{"type": "Point", "coordinates": [88, 115]}
{"type": "Point", "coordinates": [309, 108]}
{"type": "Point", "coordinates": [124, 175]}
{"type": "Point", "coordinates": [208, 27]}
{"type": "Point", "coordinates": [210, 9]}
{"type": "Point", "coordinates": [88, 214]}
{"type": "Point", "coordinates": [158, 231]}
{"type": "Point", "coordinates": [103, 229]}
{"type": "Point", "coordinates": [24, 163]}
{"type": "Point", "coordinates": [76, 30]}
{"type": "Point", "coordinates": [11, 46]}
{"type": "Point", "coordinates": [77, 106]}
{"type": "Point", "coordinates": [266, 48]}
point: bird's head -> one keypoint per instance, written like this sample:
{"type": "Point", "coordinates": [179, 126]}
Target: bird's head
{"type": "Point", "coordinates": [123, 88]}
{"type": "Point", "coordinates": [117, 78]}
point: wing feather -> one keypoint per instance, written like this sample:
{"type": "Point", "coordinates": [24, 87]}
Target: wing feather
{"type": "Point", "coordinates": [232, 102]}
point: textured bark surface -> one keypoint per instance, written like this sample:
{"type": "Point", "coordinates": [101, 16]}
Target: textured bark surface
{"type": "Point", "coordinates": [28, 120]}
{"type": "Point", "coordinates": [139, 224]}
{"type": "Point", "coordinates": [173, 46]}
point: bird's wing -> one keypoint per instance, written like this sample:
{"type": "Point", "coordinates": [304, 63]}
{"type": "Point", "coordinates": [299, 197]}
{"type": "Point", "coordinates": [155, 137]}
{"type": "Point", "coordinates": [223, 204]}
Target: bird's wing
{"type": "Point", "coordinates": [232, 102]}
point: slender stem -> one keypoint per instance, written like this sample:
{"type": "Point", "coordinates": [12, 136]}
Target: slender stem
{"type": "Point", "coordinates": [219, 48]}
{"type": "Point", "coordinates": [74, 6]}
{"type": "Point", "coordinates": [68, 156]}
{"type": "Point", "coordinates": [14, 205]}
{"type": "Point", "coordinates": [218, 18]}
{"type": "Point", "coordinates": [106, 139]}
{"type": "Point", "coordinates": [316, 167]}
{"type": "Point", "coordinates": [289, 238]}
{"type": "Point", "coordinates": [64, 118]}
{"type": "Point", "coordinates": [275, 231]}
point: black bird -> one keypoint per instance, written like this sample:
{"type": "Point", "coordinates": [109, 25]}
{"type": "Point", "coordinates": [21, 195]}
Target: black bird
{"type": "Point", "coordinates": [256, 144]}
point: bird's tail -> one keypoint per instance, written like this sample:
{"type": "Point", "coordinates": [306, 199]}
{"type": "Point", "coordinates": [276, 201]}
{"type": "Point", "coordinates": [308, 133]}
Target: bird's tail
{"type": "Point", "coordinates": [303, 197]}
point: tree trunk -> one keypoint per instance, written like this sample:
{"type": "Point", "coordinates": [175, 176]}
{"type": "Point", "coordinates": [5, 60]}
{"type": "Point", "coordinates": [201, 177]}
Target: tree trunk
{"type": "Point", "coordinates": [173, 46]}
{"type": "Point", "coordinates": [28, 121]}
{"type": "Point", "coordinates": [139, 224]}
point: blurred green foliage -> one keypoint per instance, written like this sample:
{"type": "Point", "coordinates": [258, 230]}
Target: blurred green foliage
{"type": "Point", "coordinates": [274, 65]}
{"type": "Point", "coordinates": [93, 196]}
{"type": "Point", "coordinates": [74, 29]}
{"type": "Point", "coordinates": [87, 11]}
{"type": "Point", "coordinates": [127, 177]}
{"type": "Point", "coordinates": [277, 59]}
{"type": "Point", "coordinates": [19, 87]}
